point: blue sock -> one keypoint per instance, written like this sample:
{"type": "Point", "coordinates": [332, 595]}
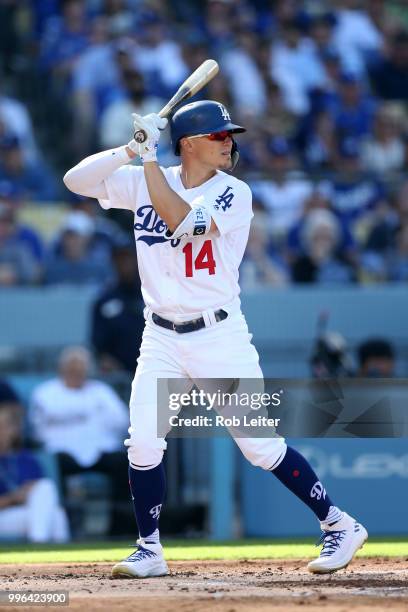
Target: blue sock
{"type": "Point", "coordinates": [147, 488]}
{"type": "Point", "coordinates": [298, 476]}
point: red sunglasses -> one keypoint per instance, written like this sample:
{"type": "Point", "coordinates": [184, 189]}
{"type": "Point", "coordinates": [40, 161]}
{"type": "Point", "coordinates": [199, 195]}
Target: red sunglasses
{"type": "Point", "coordinates": [219, 136]}
{"type": "Point", "coordinates": [215, 136]}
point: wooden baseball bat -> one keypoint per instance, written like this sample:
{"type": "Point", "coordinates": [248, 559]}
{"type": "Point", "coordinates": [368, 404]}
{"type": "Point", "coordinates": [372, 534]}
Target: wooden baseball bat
{"type": "Point", "coordinates": [196, 81]}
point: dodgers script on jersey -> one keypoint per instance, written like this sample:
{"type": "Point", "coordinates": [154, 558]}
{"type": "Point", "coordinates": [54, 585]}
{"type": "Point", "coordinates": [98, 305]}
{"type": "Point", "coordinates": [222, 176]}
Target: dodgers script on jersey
{"type": "Point", "coordinates": [188, 275]}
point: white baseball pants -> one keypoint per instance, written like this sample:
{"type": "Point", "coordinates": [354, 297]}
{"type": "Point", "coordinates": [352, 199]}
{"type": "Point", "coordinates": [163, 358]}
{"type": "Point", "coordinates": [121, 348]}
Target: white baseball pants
{"type": "Point", "coordinates": [220, 350]}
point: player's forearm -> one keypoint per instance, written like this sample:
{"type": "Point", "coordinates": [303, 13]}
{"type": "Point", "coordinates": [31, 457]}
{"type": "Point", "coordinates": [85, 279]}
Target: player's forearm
{"type": "Point", "coordinates": [87, 177]}
{"type": "Point", "coordinates": [166, 202]}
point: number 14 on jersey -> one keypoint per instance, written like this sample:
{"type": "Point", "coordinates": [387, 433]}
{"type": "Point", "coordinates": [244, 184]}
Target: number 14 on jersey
{"type": "Point", "coordinates": [204, 260]}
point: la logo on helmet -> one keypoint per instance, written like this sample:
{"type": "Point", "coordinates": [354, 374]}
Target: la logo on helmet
{"type": "Point", "coordinates": [224, 113]}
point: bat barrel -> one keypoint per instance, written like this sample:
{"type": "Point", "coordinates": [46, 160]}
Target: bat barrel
{"type": "Point", "coordinates": [196, 81]}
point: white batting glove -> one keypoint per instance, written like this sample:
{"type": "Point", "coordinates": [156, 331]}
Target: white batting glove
{"type": "Point", "coordinates": [151, 125]}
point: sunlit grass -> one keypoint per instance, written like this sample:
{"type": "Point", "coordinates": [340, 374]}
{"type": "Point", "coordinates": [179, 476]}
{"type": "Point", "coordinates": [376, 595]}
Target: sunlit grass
{"type": "Point", "coordinates": [189, 550]}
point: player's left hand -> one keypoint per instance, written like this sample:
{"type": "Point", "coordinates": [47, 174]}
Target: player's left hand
{"type": "Point", "coordinates": [151, 125]}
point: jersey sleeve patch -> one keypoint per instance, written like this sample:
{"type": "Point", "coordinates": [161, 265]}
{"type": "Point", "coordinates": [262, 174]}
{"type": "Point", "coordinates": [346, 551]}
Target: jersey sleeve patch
{"type": "Point", "coordinates": [224, 200]}
{"type": "Point", "coordinates": [230, 206]}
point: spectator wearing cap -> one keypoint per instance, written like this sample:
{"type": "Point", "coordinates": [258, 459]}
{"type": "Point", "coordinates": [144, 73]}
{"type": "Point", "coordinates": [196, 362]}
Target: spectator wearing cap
{"type": "Point", "coordinates": [390, 77]}
{"type": "Point", "coordinates": [32, 179]}
{"type": "Point", "coordinates": [323, 32]}
{"type": "Point", "coordinates": [117, 315]}
{"type": "Point", "coordinates": [384, 150]}
{"type": "Point", "coordinates": [17, 263]}
{"type": "Point", "coordinates": [285, 191]}
{"type": "Point", "coordinates": [29, 505]}
{"type": "Point", "coordinates": [321, 261]}
{"type": "Point", "coordinates": [70, 261]}
{"type": "Point", "coordinates": [326, 94]}
{"type": "Point", "coordinates": [354, 195]}
{"type": "Point", "coordinates": [21, 233]}
{"type": "Point", "coordinates": [376, 359]}
{"type": "Point", "coordinates": [352, 109]}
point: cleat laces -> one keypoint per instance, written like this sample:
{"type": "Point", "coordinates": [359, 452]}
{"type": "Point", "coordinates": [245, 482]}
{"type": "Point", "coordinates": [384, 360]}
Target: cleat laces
{"type": "Point", "coordinates": [331, 541]}
{"type": "Point", "coordinates": [140, 554]}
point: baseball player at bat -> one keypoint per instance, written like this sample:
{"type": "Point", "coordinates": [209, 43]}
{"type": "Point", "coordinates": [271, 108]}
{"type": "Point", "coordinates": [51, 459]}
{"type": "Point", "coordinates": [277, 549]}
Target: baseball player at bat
{"type": "Point", "coordinates": [191, 226]}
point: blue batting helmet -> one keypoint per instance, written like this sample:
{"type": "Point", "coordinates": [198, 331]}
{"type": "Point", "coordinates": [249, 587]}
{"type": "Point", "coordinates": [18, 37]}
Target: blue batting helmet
{"type": "Point", "coordinates": [203, 117]}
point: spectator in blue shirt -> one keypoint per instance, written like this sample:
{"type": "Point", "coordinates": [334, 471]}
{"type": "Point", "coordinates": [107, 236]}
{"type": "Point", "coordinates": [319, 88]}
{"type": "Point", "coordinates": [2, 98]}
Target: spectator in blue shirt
{"type": "Point", "coordinates": [17, 263]}
{"type": "Point", "coordinates": [353, 194]}
{"type": "Point", "coordinates": [32, 179]}
{"type": "Point", "coordinates": [72, 261]}
{"type": "Point", "coordinates": [352, 109]}
{"type": "Point", "coordinates": [64, 38]}
{"type": "Point", "coordinates": [20, 232]}
{"type": "Point", "coordinates": [29, 505]}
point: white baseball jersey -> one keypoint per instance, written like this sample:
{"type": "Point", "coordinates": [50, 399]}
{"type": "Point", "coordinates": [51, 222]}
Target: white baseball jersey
{"type": "Point", "coordinates": [188, 275]}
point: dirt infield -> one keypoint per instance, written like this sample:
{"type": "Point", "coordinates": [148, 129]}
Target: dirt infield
{"type": "Point", "coordinates": [221, 586]}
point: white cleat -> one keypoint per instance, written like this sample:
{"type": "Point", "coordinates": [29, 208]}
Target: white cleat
{"type": "Point", "coordinates": [145, 562]}
{"type": "Point", "coordinates": [340, 542]}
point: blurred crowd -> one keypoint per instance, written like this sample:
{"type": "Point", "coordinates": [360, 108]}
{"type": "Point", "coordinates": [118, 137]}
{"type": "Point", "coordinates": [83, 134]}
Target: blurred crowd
{"type": "Point", "coordinates": [321, 87]}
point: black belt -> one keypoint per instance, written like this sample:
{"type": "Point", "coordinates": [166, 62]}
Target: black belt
{"type": "Point", "coordinates": [187, 326]}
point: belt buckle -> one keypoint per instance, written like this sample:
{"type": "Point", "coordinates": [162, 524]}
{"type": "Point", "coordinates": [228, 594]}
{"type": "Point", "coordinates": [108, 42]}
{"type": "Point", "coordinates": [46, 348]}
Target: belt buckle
{"type": "Point", "coordinates": [174, 326]}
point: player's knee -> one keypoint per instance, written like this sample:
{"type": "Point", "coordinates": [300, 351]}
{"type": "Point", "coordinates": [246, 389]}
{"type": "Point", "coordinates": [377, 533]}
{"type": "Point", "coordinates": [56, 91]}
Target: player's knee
{"type": "Point", "coordinates": [144, 458]}
{"type": "Point", "coordinates": [267, 456]}
{"type": "Point", "coordinates": [143, 453]}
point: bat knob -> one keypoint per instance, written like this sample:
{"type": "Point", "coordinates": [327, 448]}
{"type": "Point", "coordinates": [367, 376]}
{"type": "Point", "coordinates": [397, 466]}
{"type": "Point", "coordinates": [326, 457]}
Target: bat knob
{"type": "Point", "coordinates": [140, 136]}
